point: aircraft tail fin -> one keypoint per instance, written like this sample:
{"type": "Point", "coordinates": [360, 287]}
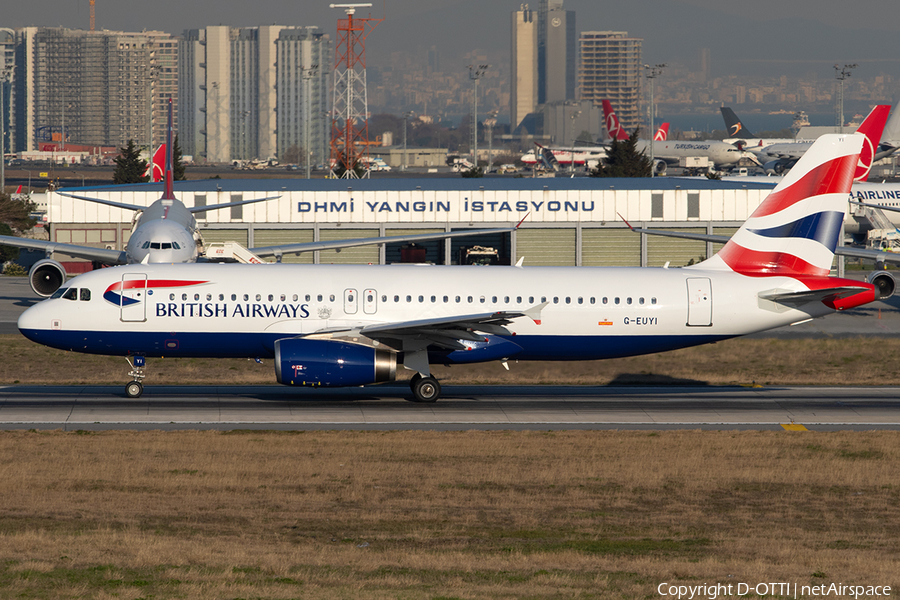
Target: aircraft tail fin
{"type": "Point", "coordinates": [795, 230]}
{"type": "Point", "coordinates": [169, 173]}
{"type": "Point", "coordinates": [733, 124]}
{"type": "Point", "coordinates": [891, 134]}
{"type": "Point", "coordinates": [156, 168]}
{"type": "Point", "coordinates": [872, 128]}
{"type": "Point", "coordinates": [662, 133]}
{"type": "Point", "coordinates": [613, 127]}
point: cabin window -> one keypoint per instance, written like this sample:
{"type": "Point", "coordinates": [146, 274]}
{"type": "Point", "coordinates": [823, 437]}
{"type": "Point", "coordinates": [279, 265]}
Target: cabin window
{"type": "Point", "coordinates": [331, 298]}
{"type": "Point", "coordinates": [530, 299]}
{"type": "Point", "coordinates": [506, 299]}
{"type": "Point", "coordinates": [295, 298]}
{"type": "Point", "coordinates": [457, 299]}
{"type": "Point", "coordinates": [246, 297]}
{"type": "Point", "coordinates": [555, 299]}
{"type": "Point", "coordinates": [543, 298]}
{"type": "Point", "coordinates": [234, 297]}
{"type": "Point", "coordinates": [628, 301]}
{"type": "Point", "coordinates": [259, 297]}
{"type": "Point", "coordinates": [605, 300]}
{"type": "Point", "coordinates": [209, 297]}
{"type": "Point", "coordinates": [446, 299]}
{"type": "Point", "coordinates": [568, 300]}
{"type": "Point", "coordinates": [196, 297]}
{"type": "Point", "coordinates": [421, 298]}
{"type": "Point", "coordinates": [617, 301]}
{"type": "Point", "coordinates": [409, 298]}
{"type": "Point", "coordinates": [349, 297]}
{"type": "Point", "coordinates": [283, 297]}
{"type": "Point", "coordinates": [580, 300]}
{"type": "Point", "coordinates": [481, 298]}
{"type": "Point", "coordinates": [184, 297]}
{"type": "Point", "coordinates": [593, 300]}
{"type": "Point", "coordinates": [652, 300]}
{"type": "Point", "coordinates": [433, 299]}
{"type": "Point", "coordinates": [494, 299]}
{"type": "Point", "coordinates": [308, 297]}
{"type": "Point", "coordinates": [85, 295]}
{"type": "Point", "coordinates": [221, 297]}
{"type": "Point", "coordinates": [271, 297]}
{"type": "Point", "coordinates": [319, 298]}
{"type": "Point", "coordinates": [471, 299]}
{"type": "Point", "coordinates": [171, 296]}
{"type": "Point", "coordinates": [640, 300]}
{"type": "Point", "coordinates": [396, 298]}
{"type": "Point", "coordinates": [71, 294]}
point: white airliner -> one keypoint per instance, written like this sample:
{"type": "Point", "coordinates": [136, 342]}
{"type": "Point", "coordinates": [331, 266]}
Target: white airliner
{"type": "Point", "coordinates": [167, 232]}
{"type": "Point", "coordinates": [776, 158]}
{"type": "Point", "coordinates": [329, 325]}
{"type": "Point", "coordinates": [671, 152]}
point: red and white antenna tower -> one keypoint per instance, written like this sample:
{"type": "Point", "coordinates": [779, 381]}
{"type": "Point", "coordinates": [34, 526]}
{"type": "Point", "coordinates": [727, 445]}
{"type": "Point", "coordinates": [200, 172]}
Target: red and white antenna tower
{"type": "Point", "coordinates": [349, 115]}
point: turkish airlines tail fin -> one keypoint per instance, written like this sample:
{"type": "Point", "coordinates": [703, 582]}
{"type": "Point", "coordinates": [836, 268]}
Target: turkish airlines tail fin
{"type": "Point", "coordinates": [872, 128]}
{"type": "Point", "coordinates": [169, 174]}
{"type": "Point", "coordinates": [156, 168]}
{"type": "Point", "coordinates": [662, 133]}
{"type": "Point", "coordinates": [795, 230]}
{"type": "Point", "coordinates": [733, 124]}
{"type": "Point", "coordinates": [613, 127]}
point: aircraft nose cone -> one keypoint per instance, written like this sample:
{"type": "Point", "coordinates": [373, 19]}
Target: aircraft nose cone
{"type": "Point", "coordinates": [33, 320]}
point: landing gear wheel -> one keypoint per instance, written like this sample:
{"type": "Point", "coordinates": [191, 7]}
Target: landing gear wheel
{"type": "Point", "coordinates": [425, 389]}
{"type": "Point", "coordinates": [134, 389]}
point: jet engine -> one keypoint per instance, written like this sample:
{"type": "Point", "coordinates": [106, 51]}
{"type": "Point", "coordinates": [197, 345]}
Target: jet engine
{"type": "Point", "coordinates": [884, 283]}
{"type": "Point", "coordinates": [659, 168]}
{"type": "Point", "coordinates": [46, 276]}
{"type": "Point", "coordinates": [777, 167]}
{"type": "Point", "coordinates": [330, 363]}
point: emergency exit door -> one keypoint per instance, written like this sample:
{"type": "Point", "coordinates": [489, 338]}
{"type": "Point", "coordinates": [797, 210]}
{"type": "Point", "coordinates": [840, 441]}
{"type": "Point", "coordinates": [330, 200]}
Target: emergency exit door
{"type": "Point", "coordinates": [699, 290]}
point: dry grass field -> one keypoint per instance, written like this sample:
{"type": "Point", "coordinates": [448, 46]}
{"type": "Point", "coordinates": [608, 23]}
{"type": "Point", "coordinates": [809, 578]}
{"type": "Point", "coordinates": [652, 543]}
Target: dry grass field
{"type": "Point", "coordinates": [822, 361]}
{"type": "Point", "coordinates": [588, 514]}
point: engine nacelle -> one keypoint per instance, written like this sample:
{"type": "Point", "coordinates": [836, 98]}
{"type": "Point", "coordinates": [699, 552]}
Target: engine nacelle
{"type": "Point", "coordinates": [46, 276]}
{"type": "Point", "coordinates": [330, 363]}
{"type": "Point", "coordinates": [776, 167]}
{"type": "Point", "coordinates": [659, 167]}
{"type": "Point", "coordinates": [884, 283]}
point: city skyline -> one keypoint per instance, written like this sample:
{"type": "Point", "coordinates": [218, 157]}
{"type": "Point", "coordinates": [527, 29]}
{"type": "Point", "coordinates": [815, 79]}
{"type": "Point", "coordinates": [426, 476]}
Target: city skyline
{"type": "Point", "coordinates": [772, 39]}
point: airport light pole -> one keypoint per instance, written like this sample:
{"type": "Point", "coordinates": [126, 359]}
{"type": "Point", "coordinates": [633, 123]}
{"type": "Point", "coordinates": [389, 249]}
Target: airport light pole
{"type": "Point", "coordinates": [652, 72]}
{"type": "Point", "coordinates": [573, 116]}
{"type": "Point", "coordinates": [489, 123]}
{"type": "Point", "coordinates": [475, 73]}
{"type": "Point", "coordinates": [842, 74]}
{"type": "Point", "coordinates": [308, 74]}
{"type": "Point", "coordinates": [406, 117]}
{"type": "Point", "coordinates": [4, 79]}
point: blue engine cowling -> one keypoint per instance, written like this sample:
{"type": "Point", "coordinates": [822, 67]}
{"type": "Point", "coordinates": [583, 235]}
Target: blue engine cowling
{"type": "Point", "coordinates": [329, 363]}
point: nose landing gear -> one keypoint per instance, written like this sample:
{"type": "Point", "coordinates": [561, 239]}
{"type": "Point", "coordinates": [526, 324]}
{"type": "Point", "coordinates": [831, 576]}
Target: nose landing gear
{"type": "Point", "coordinates": [135, 388]}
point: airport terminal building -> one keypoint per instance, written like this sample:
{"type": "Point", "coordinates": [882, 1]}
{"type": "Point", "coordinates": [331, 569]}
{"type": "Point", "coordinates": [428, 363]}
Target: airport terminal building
{"type": "Point", "coordinates": [565, 221]}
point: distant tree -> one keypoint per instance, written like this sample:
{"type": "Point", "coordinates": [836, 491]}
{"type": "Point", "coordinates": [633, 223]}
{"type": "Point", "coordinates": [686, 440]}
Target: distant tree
{"type": "Point", "coordinates": [623, 160]}
{"type": "Point", "coordinates": [291, 156]}
{"type": "Point", "coordinates": [584, 137]}
{"type": "Point", "coordinates": [130, 168]}
{"type": "Point", "coordinates": [16, 214]}
{"type": "Point", "coordinates": [177, 165]}
{"type": "Point", "coordinates": [473, 172]}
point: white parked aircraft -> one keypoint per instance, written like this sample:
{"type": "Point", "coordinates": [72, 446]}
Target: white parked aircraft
{"type": "Point", "coordinates": [328, 325]}
{"type": "Point", "coordinates": [167, 232]}
{"type": "Point", "coordinates": [671, 152]}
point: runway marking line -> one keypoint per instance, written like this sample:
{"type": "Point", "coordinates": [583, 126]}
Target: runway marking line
{"type": "Point", "coordinates": [794, 427]}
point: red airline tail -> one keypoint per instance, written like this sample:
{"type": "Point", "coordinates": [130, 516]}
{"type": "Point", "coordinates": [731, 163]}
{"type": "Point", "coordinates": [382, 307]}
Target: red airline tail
{"type": "Point", "coordinates": [662, 133]}
{"type": "Point", "coordinates": [613, 126]}
{"type": "Point", "coordinates": [156, 169]}
{"type": "Point", "coordinates": [872, 128]}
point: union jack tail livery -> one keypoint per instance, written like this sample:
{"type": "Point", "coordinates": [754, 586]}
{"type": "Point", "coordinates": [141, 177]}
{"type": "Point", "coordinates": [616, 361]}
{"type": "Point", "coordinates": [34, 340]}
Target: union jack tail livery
{"type": "Point", "coordinates": [615, 129]}
{"type": "Point", "coordinates": [662, 133]}
{"type": "Point", "coordinates": [795, 230]}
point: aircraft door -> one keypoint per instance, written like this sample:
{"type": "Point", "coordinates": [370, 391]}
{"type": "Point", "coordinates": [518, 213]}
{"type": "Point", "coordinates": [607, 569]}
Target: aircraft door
{"type": "Point", "coordinates": [351, 301]}
{"type": "Point", "coordinates": [370, 302]}
{"type": "Point", "coordinates": [133, 297]}
{"type": "Point", "coordinates": [699, 291]}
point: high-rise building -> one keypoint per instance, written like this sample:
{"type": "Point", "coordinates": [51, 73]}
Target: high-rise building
{"type": "Point", "coordinates": [524, 89]}
{"type": "Point", "coordinates": [96, 88]}
{"type": "Point", "coordinates": [7, 87]}
{"type": "Point", "coordinates": [242, 91]}
{"type": "Point", "coordinates": [611, 69]}
{"type": "Point", "coordinates": [556, 80]}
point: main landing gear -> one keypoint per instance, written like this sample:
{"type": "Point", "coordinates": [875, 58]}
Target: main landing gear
{"type": "Point", "coordinates": [425, 389]}
{"type": "Point", "coordinates": [135, 388]}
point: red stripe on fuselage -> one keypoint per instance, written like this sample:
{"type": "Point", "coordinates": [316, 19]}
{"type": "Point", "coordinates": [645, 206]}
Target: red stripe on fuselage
{"type": "Point", "coordinates": [151, 283]}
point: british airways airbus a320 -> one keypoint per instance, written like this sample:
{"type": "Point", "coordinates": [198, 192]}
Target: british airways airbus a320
{"type": "Point", "coordinates": [328, 325]}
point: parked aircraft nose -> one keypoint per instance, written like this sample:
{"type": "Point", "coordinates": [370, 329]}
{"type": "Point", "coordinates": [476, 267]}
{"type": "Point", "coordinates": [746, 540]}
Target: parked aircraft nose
{"type": "Point", "coordinates": [35, 319]}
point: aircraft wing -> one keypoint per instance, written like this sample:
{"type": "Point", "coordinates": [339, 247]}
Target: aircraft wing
{"type": "Point", "coordinates": [200, 209]}
{"type": "Point", "coordinates": [106, 202]}
{"type": "Point", "coordinates": [446, 332]}
{"type": "Point", "coordinates": [113, 257]}
{"type": "Point", "coordinates": [850, 251]}
{"type": "Point", "coordinates": [339, 244]}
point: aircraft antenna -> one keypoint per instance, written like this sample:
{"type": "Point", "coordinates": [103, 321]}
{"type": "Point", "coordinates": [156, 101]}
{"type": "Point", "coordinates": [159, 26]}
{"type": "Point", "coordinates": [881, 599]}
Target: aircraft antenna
{"type": "Point", "coordinates": [349, 114]}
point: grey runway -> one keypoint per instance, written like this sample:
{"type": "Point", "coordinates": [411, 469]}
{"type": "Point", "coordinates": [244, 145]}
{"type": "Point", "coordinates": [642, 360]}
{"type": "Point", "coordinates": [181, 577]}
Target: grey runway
{"type": "Point", "coordinates": [463, 407]}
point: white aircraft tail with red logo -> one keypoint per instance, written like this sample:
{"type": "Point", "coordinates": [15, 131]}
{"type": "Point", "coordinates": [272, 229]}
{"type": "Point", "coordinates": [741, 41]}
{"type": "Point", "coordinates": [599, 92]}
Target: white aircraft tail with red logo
{"type": "Point", "coordinates": [613, 127]}
{"type": "Point", "coordinates": [662, 134]}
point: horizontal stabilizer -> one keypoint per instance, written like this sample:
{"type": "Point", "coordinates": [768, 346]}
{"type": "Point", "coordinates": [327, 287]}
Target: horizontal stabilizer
{"type": "Point", "coordinates": [828, 295]}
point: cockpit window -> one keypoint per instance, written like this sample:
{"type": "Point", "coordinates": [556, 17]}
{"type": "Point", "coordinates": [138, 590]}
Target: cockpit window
{"type": "Point", "coordinates": [145, 245]}
{"type": "Point", "coordinates": [154, 246]}
{"type": "Point", "coordinates": [71, 294]}
{"type": "Point", "coordinates": [176, 246]}
{"type": "Point", "coordinates": [58, 293]}
{"type": "Point", "coordinates": [85, 295]}
{"type": "Point", "coordinates": [166, 246]}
